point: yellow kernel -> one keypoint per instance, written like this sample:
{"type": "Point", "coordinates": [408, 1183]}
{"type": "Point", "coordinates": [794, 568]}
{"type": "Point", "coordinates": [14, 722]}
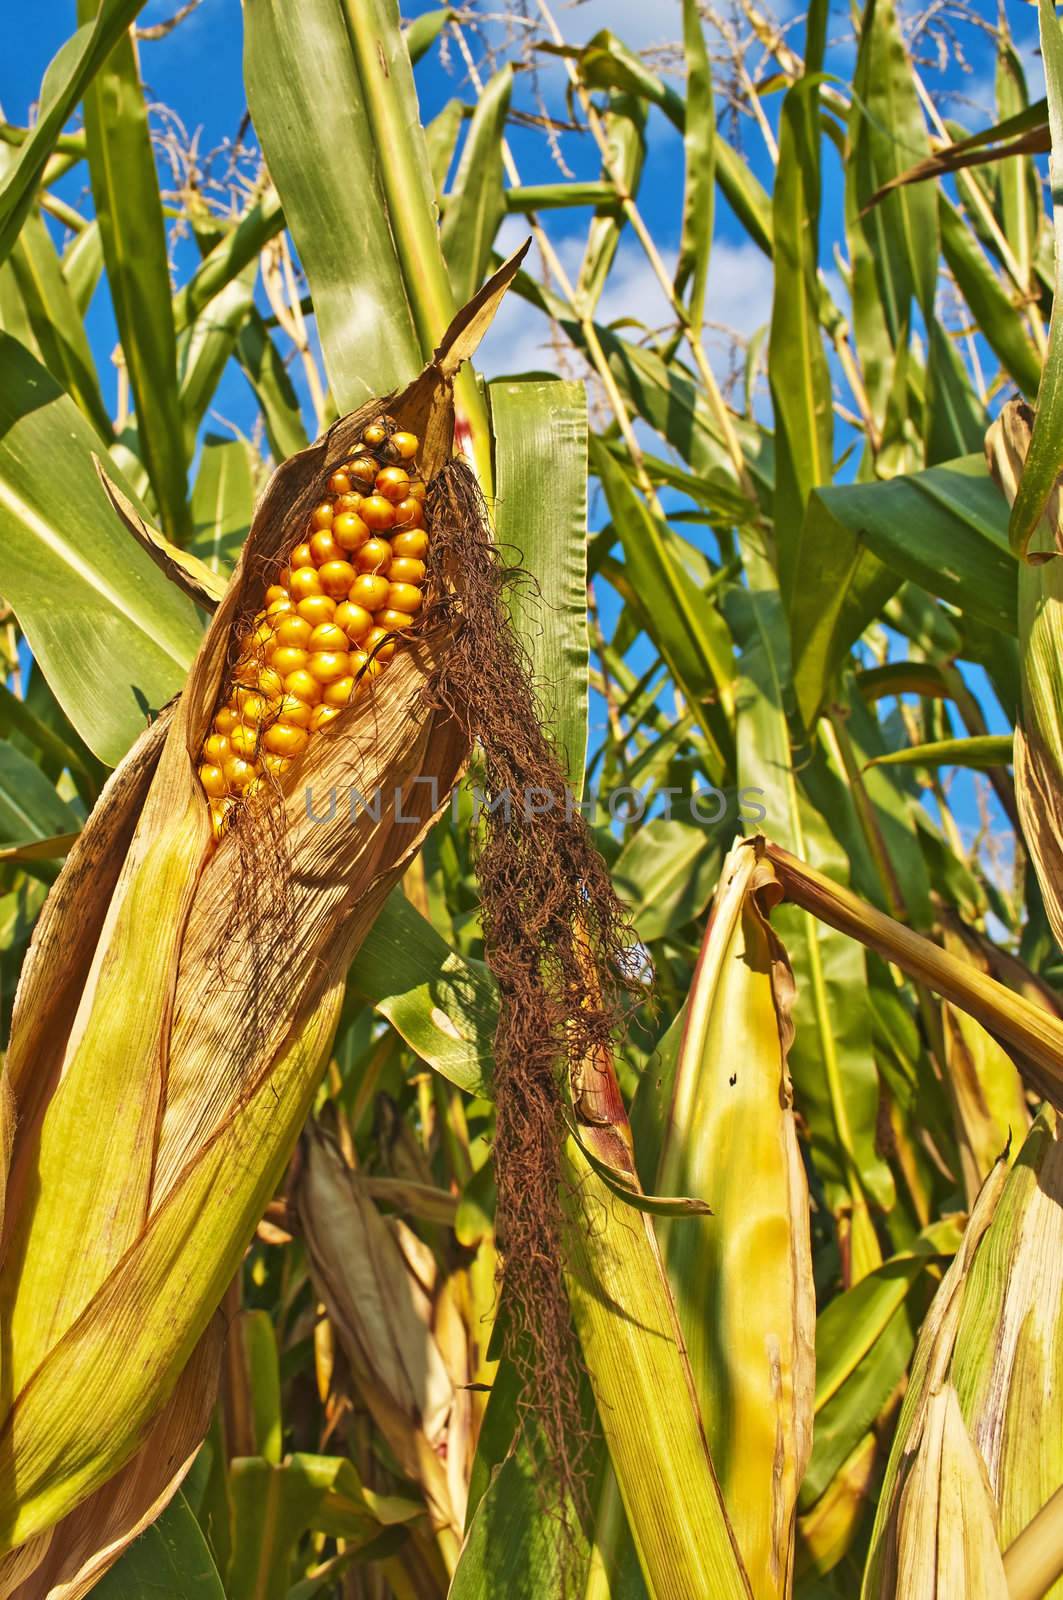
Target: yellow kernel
{"type": "Point", "coordinates": [213, 780]}
{"type": "Point", "coordinates": [375, 434]}
{"type": "Point", "coordinates": [317, 608]}
{"type": "Point", "coordinates": [393, 483]}
{"type": "Point", "coordinates": [238, 772]}
{"type": "Point", "coordinates": [404, 569]}
{"type": "Point", "coordinates": [377, 513]}
{"type": "Point", "coordinates": [284, 739]}
{"type": "Point", "coordinates": [364, 665]}
{"type": "Point", "coordinates": [303, 686]}
{"type": "Point", "coordinates": [291, 709]}
{"type": "Point", "coordinates": [216, 749]}
{"type": "Point", "coordinates": [369, 591]}
{"type": "Point", "coordinates": [374, 556]}
{"type": "Point", "coordinates": [278, 765]}
{"type": "Point", "coordinates": [244, 741]}
{"type": "Point", "coordinates": [414, 543]}
{"type": "Point", "coordinates": [336, 578]}
{"type": "Point", "coordinates": [275, 592]}
{"type": "Point", "coordinates": [380, 645]}
{"type": "Point", "coordinates": [404, 597]}
{"type": "Point", "coordinates": [346, 502]}
{"type": "Point", "coordinates": [404, 445]}
{"type": "Point", "coordinates": [219, 810]}
{"type": "Point", "coordinates": [339, 483]}
{"type": "Point", "coordinates": [353, 618]}
{"type": "Point", "coordinates": [409, 513]}
{"type": "Point", "coordinates": [328, 665]}
{"type": "Point", "coordinates": [295, 630]}
{"type": "Point", "coordinates": [251, 705]}
{"type": "Point", "coordinates": [247, 669]}
{"type": "Point", "coordinates": [302, 556]}
{"type": "Point", "coordinates": [322, 714]}
{"type": "Point", "coordinates": [324, 548]}
{"type": "Point", "coordinates": [321, 516]}
{"type": "Point", "coordinates": [393, 621]}
{"type": "Point", "coordinates": [338, 693]}
{"type": "Point", "coordinates": [226, 719]}
{"type": "Point", "coordinates": [417, 490]}
{"type": "Point", "coordinates": [362, 470]}
{"type": "Point", "coordinates": [305, 582]}
{"type": "Point", "coordinates": [349, 532]}
{"type": "Point", "coordinates": [327, 636]}
{"type": "Point", "coordinates": [286, 658]}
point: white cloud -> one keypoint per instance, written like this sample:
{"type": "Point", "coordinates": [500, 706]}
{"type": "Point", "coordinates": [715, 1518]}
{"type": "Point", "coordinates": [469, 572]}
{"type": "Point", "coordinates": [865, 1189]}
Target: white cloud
{"type": "Point", "coordinates": [637, 22]}
{"type": "Point", "coordinates": [739, 298]}
{"type": "Point", "coordinates": [739, 288]}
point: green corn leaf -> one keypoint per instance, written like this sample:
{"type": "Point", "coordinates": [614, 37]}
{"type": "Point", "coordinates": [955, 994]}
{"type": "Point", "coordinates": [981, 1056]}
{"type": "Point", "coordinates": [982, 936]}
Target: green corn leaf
{"type": "Point", "coordinates": [998, 319]}
{"type": "Point", "coordinates": [268, 377]}
{"type": "Point", "coordinates": [441, 140]}
{"type": "Point", "coordinates": [229, 258]}
{"type": "Point", "coordinates": [442, 1005]}
{"type": "Point", "coordinates": [695, 642]}
{"type": "Point", "coordinates": [111, 635]}
{"type": "Point", "coordinates": [540, 431]}
{"type": "Point", "coordinates": [57, 322]}
{"type": "Point", "coordinates": [125, 188]}
{"type": "Point", "coordinates": [944, 529]}
{"type": "Point", "coordinates": [625, 129]}
{"type": "Point", "coordinates": [797, 364]}
{"type": "Point", "coordinates": [831, 1060]}
{"type": "Point", "coordinates": [30, 809]}
{"type": "Point", "coordinates": [222, 503]}
{"type": "Point", "coordinates": [205, 347]}
{"type": "Point", "coordinates": [1045, 456]}
{"type": "Point", "coordinates": [83, 265]}
{"type": "Point", "coordinates": [666, 874]}
{"type": "Point", "coordinates": [380, 291]}
{"type": "Point", "coordinates": [171, 1555]}
{"type": "Point", "coordinates": [986, 750]}
{"type": "Point", "coordinates": [699, 148]}
{"type": "Point", "coordinates": [68, 76]}
{"type": "Point", "coordinates": [641, 1382]}
{"type": "Point", "coordinates": [475, 205]}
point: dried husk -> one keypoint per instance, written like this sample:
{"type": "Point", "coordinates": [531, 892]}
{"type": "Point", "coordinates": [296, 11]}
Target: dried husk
{"type": "Point", "coordinates": [994, 1341]}
{"type": "Point", "coordinates": [175, 1014]}
{"type": "Point", "coordinates": [383, 1320]}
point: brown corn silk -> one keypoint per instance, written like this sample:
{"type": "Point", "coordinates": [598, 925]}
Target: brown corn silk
{"type": "Point", "coordinates": [205, 1031]}
{"type": "Point", "coordinates": [560, 948]}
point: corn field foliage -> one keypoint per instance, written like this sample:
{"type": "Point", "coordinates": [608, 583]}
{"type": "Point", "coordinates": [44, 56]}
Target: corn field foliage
{"type": "Point", "coordinates": [403, 1197]}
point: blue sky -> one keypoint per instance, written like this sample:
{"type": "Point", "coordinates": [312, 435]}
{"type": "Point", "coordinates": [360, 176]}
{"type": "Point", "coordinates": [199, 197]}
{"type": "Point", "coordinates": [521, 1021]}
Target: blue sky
{"type": "Point", "coordinates": [196, 72]}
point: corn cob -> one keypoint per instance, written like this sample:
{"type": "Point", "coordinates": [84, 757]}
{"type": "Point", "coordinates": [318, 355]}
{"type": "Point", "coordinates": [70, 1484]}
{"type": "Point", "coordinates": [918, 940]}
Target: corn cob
{"type": "Point", "coordinates": [353, 580]}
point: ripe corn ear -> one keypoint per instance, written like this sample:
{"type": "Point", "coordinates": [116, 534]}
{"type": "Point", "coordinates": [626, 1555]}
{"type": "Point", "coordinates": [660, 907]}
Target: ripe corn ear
{"type": "Point", "coordinates": [160, 1069]}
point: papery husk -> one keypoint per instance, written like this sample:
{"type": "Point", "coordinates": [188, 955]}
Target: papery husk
{"type": "Point", "coordinates": [946, 1534]}
{"type": "Point", "coordinates": [162, 1069]}
{"type": "Point", "coordinates": [729, 1135]}
{"type": "Point", "coordinates": [69, 1560]}
{"type": "Point", "coordinates": [929, 1373]}
{"type": "Point", "coordinates": [993, 1338]}
{"type": "Point", "coordinates": [382, 1318]}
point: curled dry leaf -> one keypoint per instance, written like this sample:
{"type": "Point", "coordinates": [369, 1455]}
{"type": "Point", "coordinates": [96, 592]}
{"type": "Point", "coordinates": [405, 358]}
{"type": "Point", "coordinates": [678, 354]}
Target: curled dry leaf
{"type": "Point", "coordinates": [163, 1061]}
